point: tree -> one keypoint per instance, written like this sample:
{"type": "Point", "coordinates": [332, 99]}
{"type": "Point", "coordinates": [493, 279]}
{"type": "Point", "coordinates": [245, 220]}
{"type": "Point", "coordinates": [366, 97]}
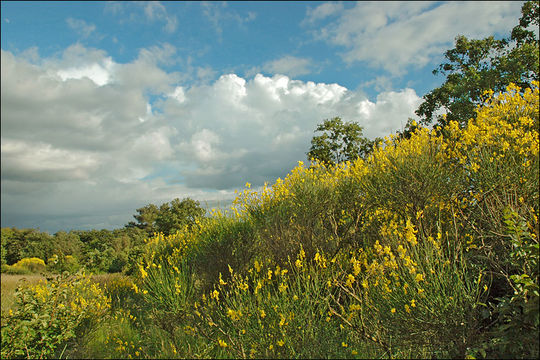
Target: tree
{"type": "Point", "coordinates": [169, 217]}
{"type": "Point", "coordinates": [175, 216]}
{"type": "Point", "coordinates": [339, 142]}
{"type": "Point", "coordinates": [475, 66]}
{"type": "Point", "coordinates": [146, 218]}
{"type": "Point", "coordinates": [67, 244]}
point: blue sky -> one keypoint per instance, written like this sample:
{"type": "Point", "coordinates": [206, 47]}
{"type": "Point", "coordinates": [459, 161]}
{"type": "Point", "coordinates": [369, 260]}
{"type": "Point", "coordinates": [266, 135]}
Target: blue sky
{"type": "Point", "coordinates": [109, 106]}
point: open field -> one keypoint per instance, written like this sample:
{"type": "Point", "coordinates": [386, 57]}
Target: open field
{"type": "Point", "coordinates": [10, 283]}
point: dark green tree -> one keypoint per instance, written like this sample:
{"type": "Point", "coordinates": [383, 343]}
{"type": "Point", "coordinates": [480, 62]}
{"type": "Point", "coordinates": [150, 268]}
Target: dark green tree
{"type": "Point", "coordinates": [174, 216]}
{"type": "Point", "coordinates": [339, 142]}
{"type": "Point", "coordinates": [67, 244]}
{"type": "Point", "coordinates": [168, 218]}
{"type": "Point", "coordinates": [474, 66]}
{"type": "Point", "coordinates": [146, 218]}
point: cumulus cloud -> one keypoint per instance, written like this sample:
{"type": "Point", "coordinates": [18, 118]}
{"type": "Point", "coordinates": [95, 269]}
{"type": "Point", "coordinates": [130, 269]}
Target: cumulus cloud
{"type": "Point", "coordinates": [397, 35]}
{"type": "Point", "coordinates": [84, 135]}
{"type": "Point", "coordinates": [239, 130]}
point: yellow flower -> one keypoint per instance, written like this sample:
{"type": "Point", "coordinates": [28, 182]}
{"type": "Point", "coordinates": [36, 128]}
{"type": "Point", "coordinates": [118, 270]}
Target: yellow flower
{"type": "Point", "coordinates": [143, 272]}
{"type": "Point", "coordinates": [407, 309]}
{"type": "Point", "coordinates": [259, 286]}
{"type": "Point", "coordinates": [350, 280]}
{"type": "Point", "coordinates": [282, 320]}
{"type": "Point", "coordinates": [413, 304]}
{"type": "Point", "coordinates": [257, 266]}
{"type": "Point", "coordinates": [419, 277]}
{"type": "Point", "coordinates": [234, 315]}
{"type": "Point", "coordinates": [222, 343]}
{"type": "Point", "coordinates": [263, 314]}
{"type": "Point", "coordinates": [344, 344]}
{"type": "Point", "coordinates": [393, 310]}
{"type": "Point", "coordinates": [365, 283]}
{"type": "Point", "coordinates": [281, 342]}
{"type": "Point", "coordinates": [221, 282]}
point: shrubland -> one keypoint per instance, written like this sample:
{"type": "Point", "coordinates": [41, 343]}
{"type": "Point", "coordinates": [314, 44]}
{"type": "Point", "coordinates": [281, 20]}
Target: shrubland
{"type": "Point", "coordinates": [427, 247]}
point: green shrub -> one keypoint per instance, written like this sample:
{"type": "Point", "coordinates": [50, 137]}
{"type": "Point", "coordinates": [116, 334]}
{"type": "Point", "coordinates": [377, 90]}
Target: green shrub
{"type": "Point", "coordinates": [50, 316]}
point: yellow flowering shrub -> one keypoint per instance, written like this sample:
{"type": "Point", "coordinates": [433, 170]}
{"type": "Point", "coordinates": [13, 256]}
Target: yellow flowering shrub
{"type": "Point", "coordinates": [50, 315]}
{"type": "Point", "coordinates": [399, 251]}
{"type": "Point", "coordinates": [26, 266]}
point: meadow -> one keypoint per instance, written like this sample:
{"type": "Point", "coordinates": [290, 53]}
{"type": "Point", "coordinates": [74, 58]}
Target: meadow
{"type": "Point", "coordinates": [9, 284]}
{"type": "Point", "coordinates": [428, 248]}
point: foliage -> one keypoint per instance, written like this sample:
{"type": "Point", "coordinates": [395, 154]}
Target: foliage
{"type": "Point", "coordinates": [169, 217]}
{"type": "Point", "coordinates": [26, 266]}
{"type": "Point", "coordinates": [402, 252]}
{"type": "Point", "coordinates": [25, 243]}
{"type": "Point", "coordinates": [339, 142]}
{"type": "Point", "coordinates": [50, 315]}
{"type": "Point", "coordinates": [95, 250]}
{"type": "Point", "coordinates": [514, 334]}
{"type": "Point", "coordinates": [475, 66]}
{"type": "Point", "coordinates": [59, 264]}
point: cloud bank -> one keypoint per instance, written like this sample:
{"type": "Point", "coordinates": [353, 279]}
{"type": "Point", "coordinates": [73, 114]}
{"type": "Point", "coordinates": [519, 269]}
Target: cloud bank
{"type": "Point", "coordinates": [83, 136]}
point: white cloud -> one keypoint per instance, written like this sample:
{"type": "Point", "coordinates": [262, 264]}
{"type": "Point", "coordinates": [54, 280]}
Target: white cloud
{"type": "Point", "coordinates": [22, 160]}
{"type": "Point", "coordinates": [72, 136]}
{"type": "Point", "coordinates": [98, 73]}
{"type": "Point", "coordinates": [219, 15]}
{"type": "Point", "coordinates": [323, 11]}
{"type": "Point", "coordinates": [81, 27]}
{"type": "Point", "coordinates": [154, 10]}
{"type": "Point", "coordinates": [289, 65]}
{"type": "Point", "coordinates": [398, 35]}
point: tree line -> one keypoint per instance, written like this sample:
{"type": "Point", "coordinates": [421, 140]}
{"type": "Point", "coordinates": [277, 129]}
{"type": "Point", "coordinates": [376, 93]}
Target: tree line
{"type": "Point", "coordinates": [98, 251]}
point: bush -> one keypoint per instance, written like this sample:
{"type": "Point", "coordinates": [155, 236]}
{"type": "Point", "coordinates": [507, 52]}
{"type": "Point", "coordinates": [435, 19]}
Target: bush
{"type": "Point", "coordinates": [431, 248]}
{"type": "Point", "coordinates": [49, 316]}
{"type": "Point", "coordinates": [59, 264]}
{"type": "Point", "coordinates": [26, 266]}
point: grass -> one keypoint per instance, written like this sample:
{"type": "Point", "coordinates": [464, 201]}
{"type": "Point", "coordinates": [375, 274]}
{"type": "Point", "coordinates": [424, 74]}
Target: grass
{"type": "Point", "coordinates": [10, 283]}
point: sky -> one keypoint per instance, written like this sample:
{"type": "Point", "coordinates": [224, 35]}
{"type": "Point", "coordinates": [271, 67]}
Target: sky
{"type": "Point", "coordinates": [109, 106]}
